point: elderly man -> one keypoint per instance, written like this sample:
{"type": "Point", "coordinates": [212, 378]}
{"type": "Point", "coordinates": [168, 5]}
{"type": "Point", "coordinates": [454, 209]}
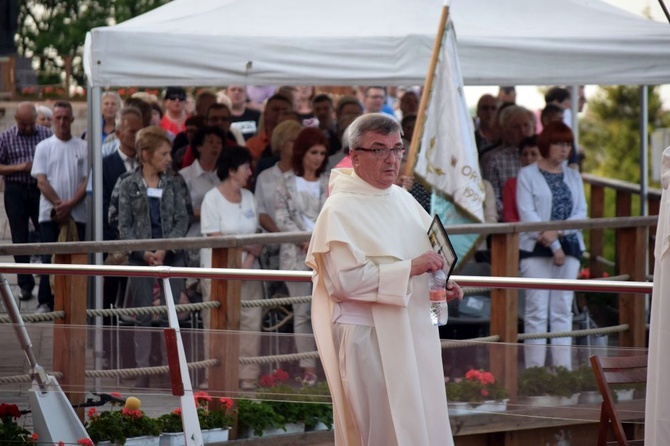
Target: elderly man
{"type": "Point", "coordinates": [61, 170]}
{"type": "Point", "coordinates": [370, 310]}
{"type": "Point", "coordinates": [22, 197]}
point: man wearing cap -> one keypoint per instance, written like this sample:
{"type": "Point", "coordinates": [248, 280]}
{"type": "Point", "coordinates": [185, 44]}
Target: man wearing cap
{"type": "Point", "coordinates": [174, 119]}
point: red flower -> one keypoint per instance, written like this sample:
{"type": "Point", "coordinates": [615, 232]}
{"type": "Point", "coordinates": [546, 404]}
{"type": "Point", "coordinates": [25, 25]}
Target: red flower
{"type": "Point", "coordinates": [33, 437]}
{"type": "Point", "coordinates": [267, 381]}
{"type": "Point", "coordinates": [487, 378]}
{"type": "Point", "coordinates": [485, 393]}
{"type": "Point", "coordinates": [473, 375]}
{"type": "Point", "coordinates": [92, 413]}
{"type": "Point", "coordinates": [584, 273]}
{"type": "Point", "coordinates": [606, 274]}
{"type": "Point", "coordinates": [116, 394]}
{"type": "Point", "coordinates": [132, 413]}
{"type": "Point", "coordinates": [226, 402]}
{"type": "Point", "coordinates": [9, 410]}
{"type": "Point", "coordinates": [60, 443]}
{"type": "Point", "coordinates": [281, 375]}
{"type": "Point", "coordinates": [177, 411]}
{"type": "Point", "coordinates": [82, 441]}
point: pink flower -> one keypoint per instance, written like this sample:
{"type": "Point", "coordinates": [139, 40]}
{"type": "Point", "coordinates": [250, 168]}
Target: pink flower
{"type": "Point", "coordinates": [132, 413]}
{"type": "Point", "coordinates": [202, 398]}
{"type": "Point", "coordinates": [473, 375]}
{"type": "Point", "coordinates": [83, 441]}
{"type": "Point", "coordinates": [226, 402]}
{"type": "Point", "coordinates": [485, 393]}
{"type": "Point", "coordinates": [92, 413]}
{"type": "Point", "coordinates": [177, 411]}
{"type": "Point", "coordinates": [487, 378]}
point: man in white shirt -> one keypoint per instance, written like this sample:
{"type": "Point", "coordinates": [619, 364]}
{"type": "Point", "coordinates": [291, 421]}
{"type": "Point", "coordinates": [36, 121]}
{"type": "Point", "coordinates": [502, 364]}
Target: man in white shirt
{"type": "Point", "coordinates": [61, 169]}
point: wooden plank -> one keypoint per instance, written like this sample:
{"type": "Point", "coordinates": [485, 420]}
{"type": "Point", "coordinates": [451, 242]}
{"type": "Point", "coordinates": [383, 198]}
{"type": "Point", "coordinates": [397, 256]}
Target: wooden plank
{"type": "Point", "coordinates": [597, 236]}
{"type": "Point", "coordinates": [631, 249]}
{"type": "Point", "coordinates": [70, 333]}
{"type": "Point", "coordinates": [224, 377]}
{"type": "Point", "coordinates": [504, 310]}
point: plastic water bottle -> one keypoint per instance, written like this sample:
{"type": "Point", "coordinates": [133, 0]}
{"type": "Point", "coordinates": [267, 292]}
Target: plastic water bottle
{"type": "Point", "coordinates": [439, 310]}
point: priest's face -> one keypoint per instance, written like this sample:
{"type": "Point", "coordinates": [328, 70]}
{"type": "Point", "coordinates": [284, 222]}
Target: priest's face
{"type": "Point", "coordinates": [379, 171]}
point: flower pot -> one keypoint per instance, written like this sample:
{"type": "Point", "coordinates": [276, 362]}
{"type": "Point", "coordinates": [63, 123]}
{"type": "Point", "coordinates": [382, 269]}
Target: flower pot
{"type": "Point", "coordinates": [460, 408]}
{"type": "Point", "coordinates": [147, 440]}
{"type": "Point", "coordinates": [541, 401]}
{"type": "Point", "coordinates": [289, 428]}
{"type": "Point", "coordinates": [569, 400]}
{"type": "Point", "coordinates": [215, 435]}
{"type": "Point", "coordinates": [172, 439]}
{"type": "Point", "coordinates": [320, 426]}
{"type": "Point", "coordinates": [590, 397]}
{"type": "Point", "coordinates": [624, 394]}
{"type": "Point", "coordinates": [492, 406]}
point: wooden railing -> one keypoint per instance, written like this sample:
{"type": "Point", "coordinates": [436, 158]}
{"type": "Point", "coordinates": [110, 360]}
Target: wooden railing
{"type": "Point", "coordinates": [69, 347]}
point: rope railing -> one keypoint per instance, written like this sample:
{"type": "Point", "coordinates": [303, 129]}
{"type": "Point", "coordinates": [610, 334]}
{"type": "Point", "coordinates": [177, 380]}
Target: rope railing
{"type": "Point", "coordinates": [575, 333]}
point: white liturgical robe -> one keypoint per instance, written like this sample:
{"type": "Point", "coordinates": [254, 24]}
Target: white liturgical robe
{"type": "Point", "coordinates": [379, 231]}
{"type": "Point", "coordinates": [657, 411]}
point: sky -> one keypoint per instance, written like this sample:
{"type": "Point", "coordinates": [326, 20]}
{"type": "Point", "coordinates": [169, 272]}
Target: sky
{"type": "Point", "coordinates": [530, 97]}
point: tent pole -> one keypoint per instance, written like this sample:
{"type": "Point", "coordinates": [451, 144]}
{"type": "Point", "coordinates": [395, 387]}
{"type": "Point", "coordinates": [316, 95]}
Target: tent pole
{"type": "Point", "coordinates": [426, 93]}
{"type": "Point", "coordinates": [95, 107]}
{"type": "Point", "coordinates": [644, 145]}
{"type": "Point", "coordinates": [574, 109]}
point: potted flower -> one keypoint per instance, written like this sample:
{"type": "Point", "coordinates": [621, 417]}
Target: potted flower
{"type": "Point", "coordinates": [586, 383]}
{"type": "Point", "coordinates": [129, 426]}
{"type": "Point", "coordinates": [555, 385]}
{"type": "Point", "coordinates": [276, 391]}
{"type": "Point", "coordinates": [477, 389]}
{"type": "Point", "coordinates": [317, 407]}
{"type": "Point", "coordinates": [255, 417]}
{"type": "Point", "coordinates": [214, 424]}
{"type": "Point", "coordinates": [10, 431]}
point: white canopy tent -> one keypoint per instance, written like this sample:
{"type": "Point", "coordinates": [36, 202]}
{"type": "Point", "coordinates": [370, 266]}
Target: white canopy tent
{"type": "Point", "coordinates": [368, 42]}
{"type": "Point", "coordinates": [353, 42]}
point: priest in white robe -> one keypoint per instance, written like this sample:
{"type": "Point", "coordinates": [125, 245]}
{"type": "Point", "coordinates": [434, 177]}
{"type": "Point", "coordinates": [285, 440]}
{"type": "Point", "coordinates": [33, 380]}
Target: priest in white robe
{"type": "Point", "coordinates": [370, 255]}
{"type": "Point", "coordinates": [657, 411]}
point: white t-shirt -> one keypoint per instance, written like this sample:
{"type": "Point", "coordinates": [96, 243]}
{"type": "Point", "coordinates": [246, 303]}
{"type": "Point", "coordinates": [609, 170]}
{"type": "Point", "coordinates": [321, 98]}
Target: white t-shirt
{"type": "Point", "coordinates": [199, 183]}
{"type": "Point", "coordinates": [65, 163]}
{"type": "Point", "coordinates": [220, 215]}
{"type": "Point", "coordinates": [309, 197]}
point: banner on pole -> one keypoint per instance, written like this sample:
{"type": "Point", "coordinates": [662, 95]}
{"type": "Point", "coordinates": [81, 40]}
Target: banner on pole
{"type": "Point", "coordinates": [447, 160]}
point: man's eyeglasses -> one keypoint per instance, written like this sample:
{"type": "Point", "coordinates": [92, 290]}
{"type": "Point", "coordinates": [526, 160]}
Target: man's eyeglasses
{"type": "Point", "coordinates": [380, 153]}
{"type": "Point", "coordinates": [174, 97]}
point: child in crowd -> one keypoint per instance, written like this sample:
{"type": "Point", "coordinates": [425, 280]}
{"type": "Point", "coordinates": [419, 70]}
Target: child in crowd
{"type": "Point", "coordinates": [529, 153]}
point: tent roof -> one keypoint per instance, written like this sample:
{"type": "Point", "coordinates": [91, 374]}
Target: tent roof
{"type": "Point", "coordinates": [354, 42]}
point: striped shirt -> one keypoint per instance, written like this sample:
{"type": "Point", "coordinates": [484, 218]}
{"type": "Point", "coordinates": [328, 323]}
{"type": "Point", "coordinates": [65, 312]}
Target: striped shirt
{"type": "Point", "coordinates": [16, 148]}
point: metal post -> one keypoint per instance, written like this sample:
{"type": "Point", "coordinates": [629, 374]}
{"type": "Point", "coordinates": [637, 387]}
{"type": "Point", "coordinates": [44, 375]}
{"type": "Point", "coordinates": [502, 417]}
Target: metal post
{"type": "Point", "coordinates": [95, 144]}
{"type": "Point", "coordinates": [574, 108]}
{"type": "Point", "coordinates": [644, 148]}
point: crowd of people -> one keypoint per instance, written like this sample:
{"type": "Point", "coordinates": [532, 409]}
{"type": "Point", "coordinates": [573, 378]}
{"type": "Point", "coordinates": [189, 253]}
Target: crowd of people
{"type": "Point", "coordinates": [249, 159]}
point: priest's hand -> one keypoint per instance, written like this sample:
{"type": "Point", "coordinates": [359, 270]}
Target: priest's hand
{"type": "Point", "coordinates": [427, 262]}
{"type": "Point", "coordinates": [454, 291]}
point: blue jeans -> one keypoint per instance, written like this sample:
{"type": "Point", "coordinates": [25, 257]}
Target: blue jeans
{"type": "Point", "coordinates": [49, 234]}
{"type": "Point", "coordinates": [22, 204]}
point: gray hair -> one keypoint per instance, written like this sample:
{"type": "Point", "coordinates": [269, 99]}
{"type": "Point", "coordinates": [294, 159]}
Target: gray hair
{"type": "Point", "coordinates": [371, 123]}
{"type": "Point", "coordinates": [111, 94]}
{"type": "Point", "coordinates": [46, 111]}
{"type": "Point", "coordinates": [509, 111]}
{"type": "Point", "coordinates": [126, 111]}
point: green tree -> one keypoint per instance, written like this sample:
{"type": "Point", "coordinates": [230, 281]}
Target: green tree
{"type": "Point", "coordinates": [127, 9]}
{"type": "Point", "coordinates": [50, 30]}
{"type": "Point", "coordinates": [610, 134]}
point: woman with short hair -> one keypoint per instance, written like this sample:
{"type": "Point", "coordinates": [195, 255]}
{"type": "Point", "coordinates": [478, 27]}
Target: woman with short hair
{"type": "Point", "coordinates": [548, 190]}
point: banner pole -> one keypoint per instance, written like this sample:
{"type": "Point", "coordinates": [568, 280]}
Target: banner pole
{"type": "Point", "coordinates": [427, 92]}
